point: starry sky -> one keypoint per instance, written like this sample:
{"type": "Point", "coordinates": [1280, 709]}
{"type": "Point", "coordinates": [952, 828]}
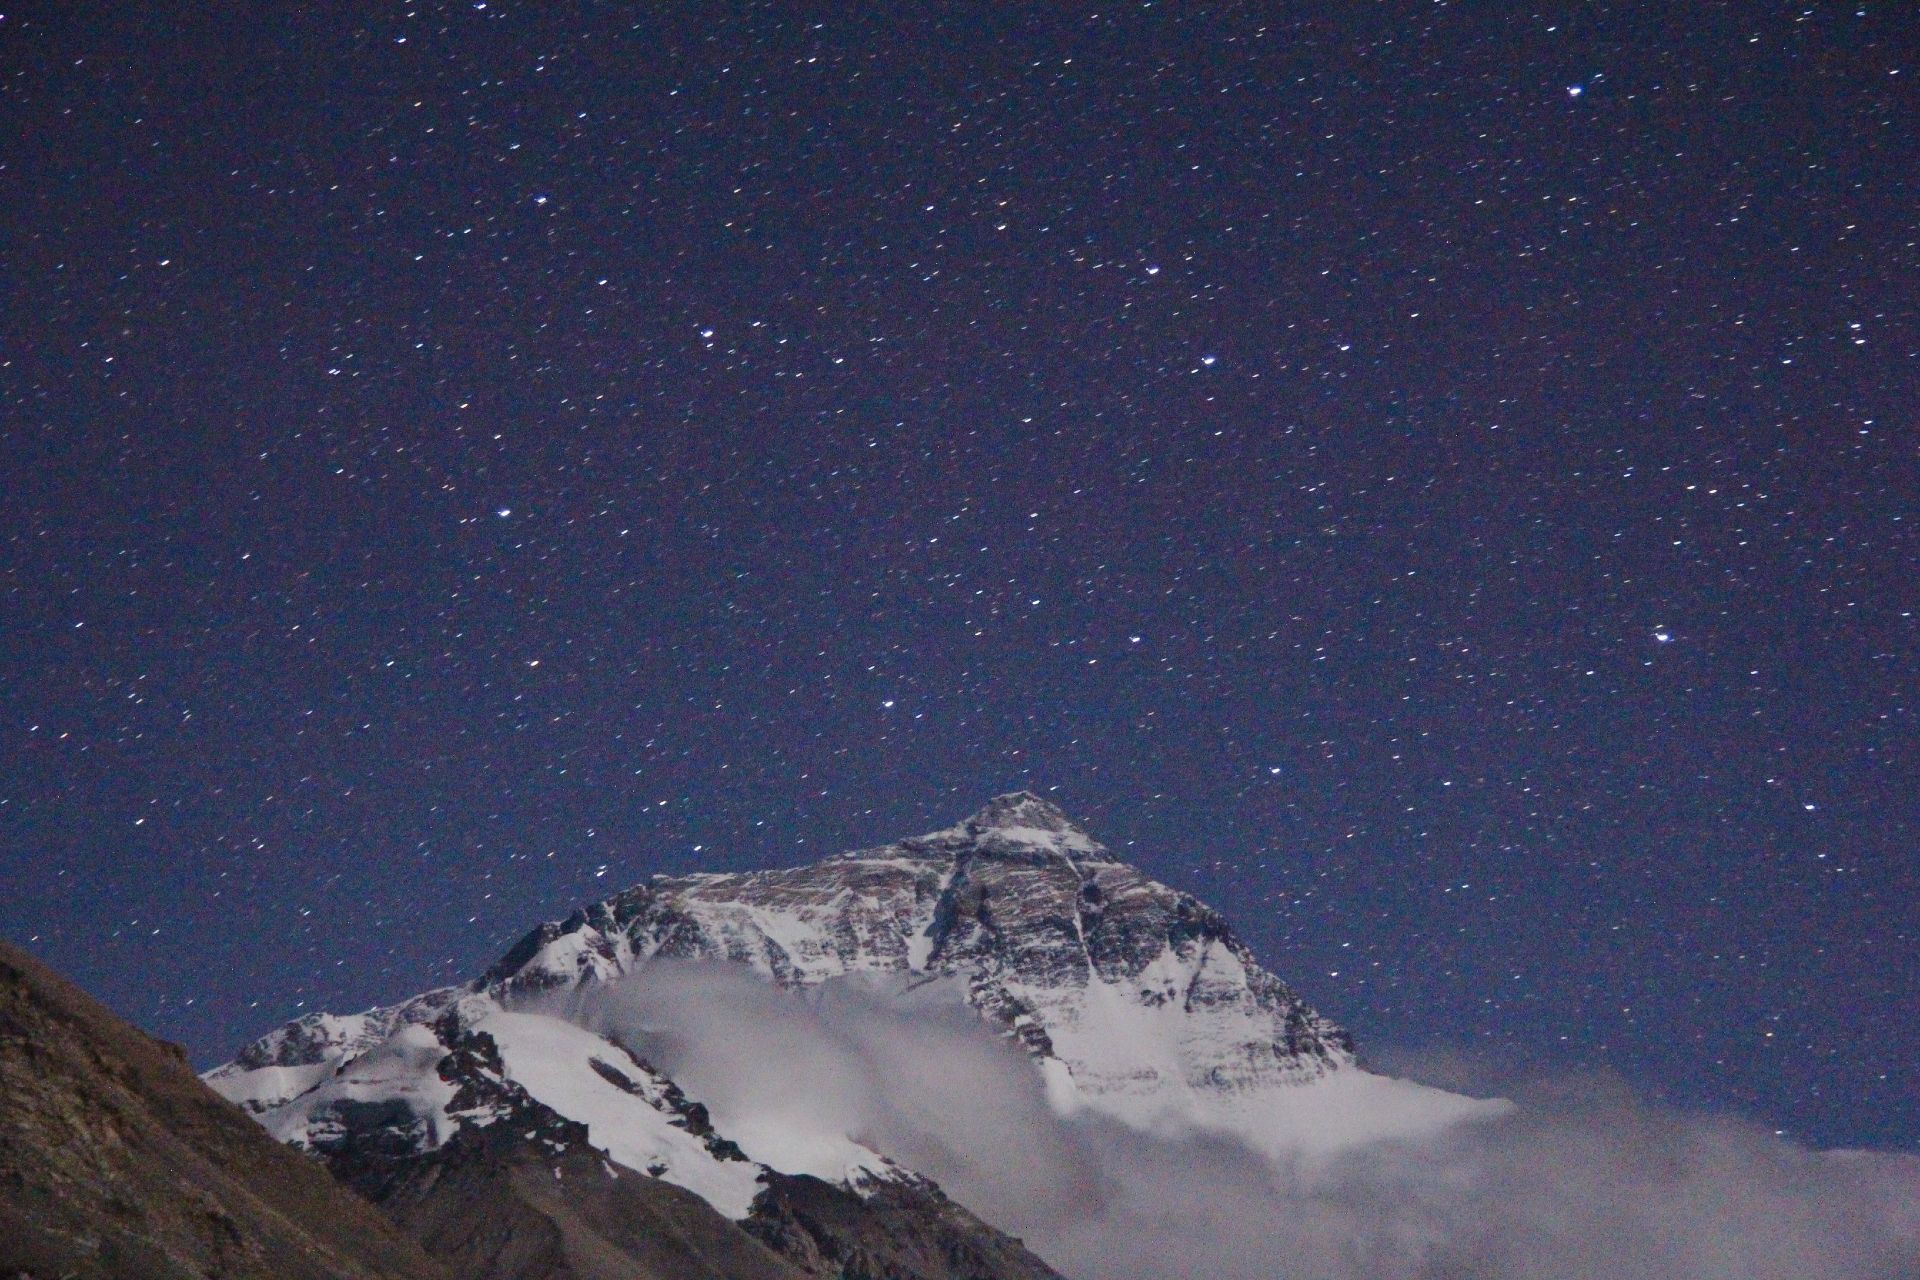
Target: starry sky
{"type": "Point", "coordinates": [1435, 480]}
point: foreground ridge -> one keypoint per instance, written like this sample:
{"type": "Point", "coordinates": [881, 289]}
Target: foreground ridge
{"type": "Point", "coordinates": [116, 1162]}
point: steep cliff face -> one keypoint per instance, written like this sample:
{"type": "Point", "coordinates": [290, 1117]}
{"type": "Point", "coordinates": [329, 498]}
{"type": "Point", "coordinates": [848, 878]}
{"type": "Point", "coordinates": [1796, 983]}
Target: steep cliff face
{"type": "Point", "coordinates": [115, 1161]}
{"type": "Point", "coordinates": [1133, 1000]}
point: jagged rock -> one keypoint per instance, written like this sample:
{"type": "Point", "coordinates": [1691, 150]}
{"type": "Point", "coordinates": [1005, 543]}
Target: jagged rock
{"type": "Point", "coordinates": [496, 1206]}
{"type": "Point", "coordinates": [897, 1231]}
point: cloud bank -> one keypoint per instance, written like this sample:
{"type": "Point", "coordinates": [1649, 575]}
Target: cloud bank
{"type": "Point", "coordinates": [1582, 1181]}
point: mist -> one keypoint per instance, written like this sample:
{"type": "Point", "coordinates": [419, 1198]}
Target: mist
{"type": "Point", "coordinates": [1582, 1179]}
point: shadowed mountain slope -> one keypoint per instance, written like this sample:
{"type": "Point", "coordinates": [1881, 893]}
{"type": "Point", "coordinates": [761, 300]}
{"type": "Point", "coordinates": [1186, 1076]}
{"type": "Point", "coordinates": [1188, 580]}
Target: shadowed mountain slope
{"type": "Point", "coordinates": [116, 1161]}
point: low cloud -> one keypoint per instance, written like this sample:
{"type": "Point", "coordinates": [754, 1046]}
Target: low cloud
{"type": "Point", "coordinates": [1582, 1180]}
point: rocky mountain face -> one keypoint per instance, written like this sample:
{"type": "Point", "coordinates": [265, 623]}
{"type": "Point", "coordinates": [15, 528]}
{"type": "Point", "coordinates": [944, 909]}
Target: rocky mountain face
{"type": "Point", "coordinates": [1133, 1000]}
{"type": "Point", "coordinates": [1065, 948]}
{"type": "Point", "coordinates": [116, 1161]}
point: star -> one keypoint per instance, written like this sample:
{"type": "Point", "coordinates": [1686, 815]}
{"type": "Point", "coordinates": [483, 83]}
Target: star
{"type": "Point", "coordinates": [1504, 384]}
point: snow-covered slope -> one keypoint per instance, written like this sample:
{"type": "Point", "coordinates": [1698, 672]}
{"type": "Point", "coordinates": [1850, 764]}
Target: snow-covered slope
{"type": "Point", "coordinates": [1134, 1000]}
{"type": "Point", "coordinates": [409, 1078]}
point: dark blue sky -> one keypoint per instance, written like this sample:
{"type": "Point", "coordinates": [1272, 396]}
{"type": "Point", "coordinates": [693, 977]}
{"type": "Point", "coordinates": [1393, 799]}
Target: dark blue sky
{"type": "Point", "coordinates": [1437, 481]}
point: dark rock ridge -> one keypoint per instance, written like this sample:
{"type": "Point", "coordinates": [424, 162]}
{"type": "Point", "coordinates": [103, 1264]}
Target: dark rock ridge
{"type": "Point", "coordinates": [116, 1161]}
{"type": "Point", "coordinates": [528, 1197]}
{"type": "Point", "coordinates": [519, 1202]}
{"type": "Point", "coordinates": [898, 1231]}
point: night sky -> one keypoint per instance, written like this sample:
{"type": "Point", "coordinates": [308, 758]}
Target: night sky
{"type": "Point", "coordinates": [1437, 481]}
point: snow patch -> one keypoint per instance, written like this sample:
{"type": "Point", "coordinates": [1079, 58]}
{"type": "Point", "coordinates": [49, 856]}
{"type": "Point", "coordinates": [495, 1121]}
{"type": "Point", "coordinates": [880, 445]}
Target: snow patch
{"type": "Point", "coordinates": [552, 1060]}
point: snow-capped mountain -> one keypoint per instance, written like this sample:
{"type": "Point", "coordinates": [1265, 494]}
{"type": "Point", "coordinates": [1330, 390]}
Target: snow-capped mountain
{"type": "Point", "coordinates": [1133, 1000]}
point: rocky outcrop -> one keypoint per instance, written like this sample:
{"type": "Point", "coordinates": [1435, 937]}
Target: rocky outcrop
{"type": "Point", "coordinates": [530, 1199]}
{"type": "Point", "coordinates": [898, 1231]}
{"type": "Point", "coordinates": [116, 1161]}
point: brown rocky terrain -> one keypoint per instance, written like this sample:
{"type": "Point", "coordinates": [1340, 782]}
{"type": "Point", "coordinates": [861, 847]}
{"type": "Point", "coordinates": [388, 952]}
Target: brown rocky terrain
{"type": "Point", "coordinates": [117, 1162]}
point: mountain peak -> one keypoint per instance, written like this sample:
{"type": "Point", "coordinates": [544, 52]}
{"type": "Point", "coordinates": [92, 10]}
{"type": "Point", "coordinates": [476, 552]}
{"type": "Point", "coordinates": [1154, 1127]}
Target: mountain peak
{"type": "Point", "coordinates": [1132, 998]}
{"type": "Point", "coordinates": [1018, 810]}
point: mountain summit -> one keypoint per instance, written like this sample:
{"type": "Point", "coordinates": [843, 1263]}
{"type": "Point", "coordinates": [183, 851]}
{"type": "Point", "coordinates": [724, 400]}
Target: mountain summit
{"type": "Point", "coordinates": [1133, 998]}
{"type": "Point", "coordinates": [1134, 1001]}
{"type": "Point", "coordinates": [1024, 811]}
